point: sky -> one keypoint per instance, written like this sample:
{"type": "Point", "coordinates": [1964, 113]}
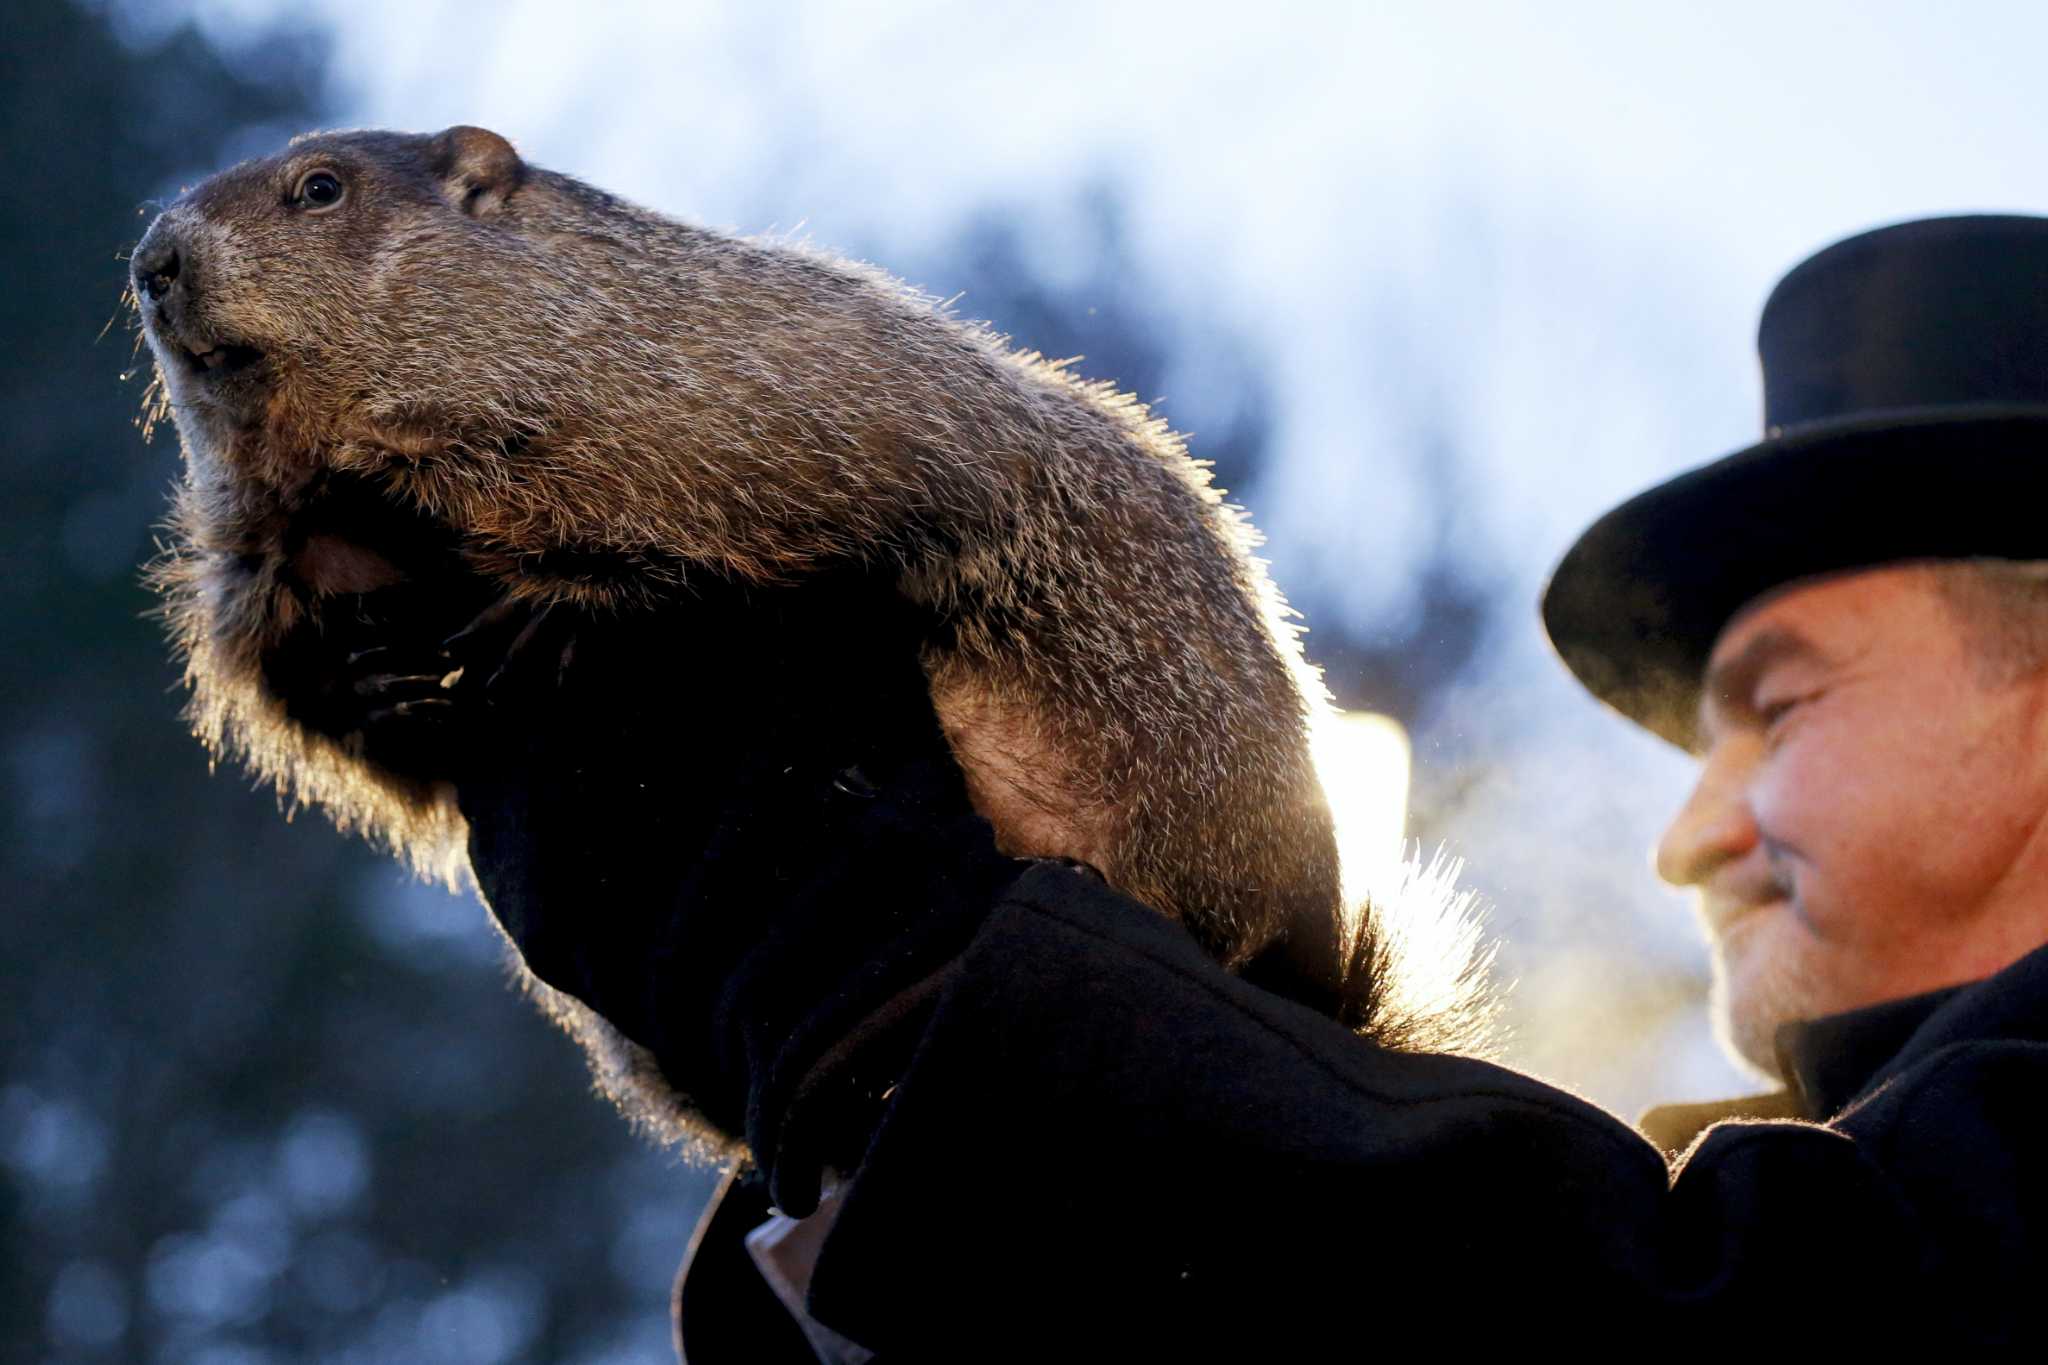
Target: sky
{"type": "Point", "coordinates": [1545, 230]}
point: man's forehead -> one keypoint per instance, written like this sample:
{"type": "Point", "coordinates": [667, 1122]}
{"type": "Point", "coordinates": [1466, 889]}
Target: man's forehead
{"type": "Point", "coordinates": [1749, 653]}
{"type": "Point", "coordinates": [1821, 606]}
{"type": "Point", "coordinates": [1821, 620]}
{"type": "Point", "coordinates": [1763, 626]}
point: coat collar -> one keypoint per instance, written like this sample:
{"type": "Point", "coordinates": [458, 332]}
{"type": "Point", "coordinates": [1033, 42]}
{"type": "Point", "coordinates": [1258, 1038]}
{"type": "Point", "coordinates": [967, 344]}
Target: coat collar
{"type": "Point", "coordinates": [1831, 1063]}
{"type": "Point", "coordinates": [2011, 1006]}
{"type": "Point", "coordinates": [1828, 1062]}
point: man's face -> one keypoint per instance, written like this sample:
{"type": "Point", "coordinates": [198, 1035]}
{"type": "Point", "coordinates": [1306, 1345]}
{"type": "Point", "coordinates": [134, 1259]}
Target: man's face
{"type": "Point", "coordinates": [1870, 817]}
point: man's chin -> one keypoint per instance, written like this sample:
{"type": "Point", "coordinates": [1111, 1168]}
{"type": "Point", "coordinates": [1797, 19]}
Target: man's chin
{"type": "Point", "coordinates": [1757, 987]}
{"type": "Point", "coordinates": [1750, 1048]}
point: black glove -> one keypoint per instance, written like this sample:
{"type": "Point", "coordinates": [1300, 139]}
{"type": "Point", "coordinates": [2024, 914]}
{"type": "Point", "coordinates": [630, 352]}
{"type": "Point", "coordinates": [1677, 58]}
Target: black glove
{"type": "Point", "coordinates": [735, 829]}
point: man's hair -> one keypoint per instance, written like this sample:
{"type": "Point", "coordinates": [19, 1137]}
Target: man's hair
{"type": "Point", "coordinates": [2001, 605]}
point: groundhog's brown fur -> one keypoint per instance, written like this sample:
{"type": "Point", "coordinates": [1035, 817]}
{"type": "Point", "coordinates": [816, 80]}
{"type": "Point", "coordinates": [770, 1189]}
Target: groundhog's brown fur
{"type": "Point", "coordinates": [599, 402]}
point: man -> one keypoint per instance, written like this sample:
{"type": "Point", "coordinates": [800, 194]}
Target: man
{"type": "Point", "coordinates": [1019, 1116]}
{"type": "Point", "coordinates": [1867, 704]}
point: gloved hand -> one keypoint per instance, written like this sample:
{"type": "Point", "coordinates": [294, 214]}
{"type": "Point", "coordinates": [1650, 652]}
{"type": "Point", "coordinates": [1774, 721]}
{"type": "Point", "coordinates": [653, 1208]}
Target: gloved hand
{"type": "Point", "coordinates": [735, 830]}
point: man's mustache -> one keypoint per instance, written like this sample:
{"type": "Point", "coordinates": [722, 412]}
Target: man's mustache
{"type": "Point", "coordinates": [1749, 883]}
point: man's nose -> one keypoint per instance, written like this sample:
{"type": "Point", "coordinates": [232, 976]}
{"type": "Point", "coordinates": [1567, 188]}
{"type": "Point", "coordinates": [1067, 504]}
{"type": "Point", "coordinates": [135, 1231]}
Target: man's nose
{"type": "Point", "coordinates": [1715, 826]}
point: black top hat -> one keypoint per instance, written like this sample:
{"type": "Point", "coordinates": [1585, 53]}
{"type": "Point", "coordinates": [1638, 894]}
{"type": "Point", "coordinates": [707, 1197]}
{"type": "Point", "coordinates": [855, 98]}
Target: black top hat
{"type": "Point", "coordinates": [1905, 417]}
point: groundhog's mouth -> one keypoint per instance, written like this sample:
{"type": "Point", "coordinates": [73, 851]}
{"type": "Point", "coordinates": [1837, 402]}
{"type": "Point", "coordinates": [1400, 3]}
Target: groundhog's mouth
{"type": "Point", "coordinates": [218, 358]}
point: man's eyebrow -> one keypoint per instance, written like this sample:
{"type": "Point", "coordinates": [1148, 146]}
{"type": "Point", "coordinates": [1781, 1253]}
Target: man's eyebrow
{"type": "Point", "coordinates": [1732, 677]}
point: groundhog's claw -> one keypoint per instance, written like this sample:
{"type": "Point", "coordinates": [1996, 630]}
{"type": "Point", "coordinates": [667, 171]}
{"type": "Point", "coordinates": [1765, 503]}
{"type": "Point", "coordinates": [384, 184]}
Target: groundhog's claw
{"type": "Point", "coordinates": [513, 644]}
{"type": "Point", "coordinates": [495, 622]}
{"type": "Point", "coordinates": [415, 709]}
{"type": "Point", "coordinates": [549, 638]}
{"type": "Point", "coordinates": [444, 675]}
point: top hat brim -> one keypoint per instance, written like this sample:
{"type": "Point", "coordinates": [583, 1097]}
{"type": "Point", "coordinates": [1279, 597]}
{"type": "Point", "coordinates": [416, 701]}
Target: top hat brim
{"type": "Point", "coordinates": [1637, 602]}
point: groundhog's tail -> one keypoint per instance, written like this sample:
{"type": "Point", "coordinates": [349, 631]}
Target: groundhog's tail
{"type": "Point", "coordinates": [1418, 964]}
{"type": "Point", "coordinates": [1409, 969]}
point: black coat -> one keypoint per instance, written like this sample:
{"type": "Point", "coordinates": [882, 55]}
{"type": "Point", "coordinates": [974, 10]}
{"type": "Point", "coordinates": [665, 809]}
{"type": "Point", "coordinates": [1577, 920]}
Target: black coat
{"type": "Point", "coordinates": [1105, 1147]}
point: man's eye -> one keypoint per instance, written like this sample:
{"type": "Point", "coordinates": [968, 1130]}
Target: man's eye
{"type": "Point", "coordinates": [1772, 713]}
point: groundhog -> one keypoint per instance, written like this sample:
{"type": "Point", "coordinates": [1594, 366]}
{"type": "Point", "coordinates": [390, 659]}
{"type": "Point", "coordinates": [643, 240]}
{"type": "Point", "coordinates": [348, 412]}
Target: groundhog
{"type": "Point", "coordinates": [417, 364]}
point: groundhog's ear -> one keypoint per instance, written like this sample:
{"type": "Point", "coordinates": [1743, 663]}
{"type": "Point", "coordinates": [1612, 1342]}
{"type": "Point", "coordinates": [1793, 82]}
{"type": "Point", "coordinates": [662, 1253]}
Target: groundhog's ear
{"type": "Point", "coordinates": [478, 169]}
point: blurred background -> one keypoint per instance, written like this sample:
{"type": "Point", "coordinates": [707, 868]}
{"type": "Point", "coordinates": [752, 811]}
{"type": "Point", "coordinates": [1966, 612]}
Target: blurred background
{"type": "Point", "coordinates": [1431, 284]}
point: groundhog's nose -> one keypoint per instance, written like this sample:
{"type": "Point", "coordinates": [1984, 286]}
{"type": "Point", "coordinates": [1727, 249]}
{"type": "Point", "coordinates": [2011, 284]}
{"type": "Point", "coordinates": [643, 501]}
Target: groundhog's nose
{"type": "Point", "coordinates": [157, 263]}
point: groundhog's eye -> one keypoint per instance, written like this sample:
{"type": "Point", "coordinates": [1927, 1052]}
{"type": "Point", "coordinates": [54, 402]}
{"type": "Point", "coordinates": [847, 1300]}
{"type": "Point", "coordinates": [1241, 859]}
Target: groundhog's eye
{"type": "Point", "coordinates": [318, 190]}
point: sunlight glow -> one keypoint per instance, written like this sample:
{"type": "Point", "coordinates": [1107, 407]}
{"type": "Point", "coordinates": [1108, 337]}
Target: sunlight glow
{"type": "Point", "coordinates": [1363, 760]}
{"type": "Point", "coordinates": [1441, 957]}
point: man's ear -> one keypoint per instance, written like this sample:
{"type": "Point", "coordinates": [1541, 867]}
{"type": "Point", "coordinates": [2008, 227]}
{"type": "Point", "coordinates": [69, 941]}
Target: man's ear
{"type": "Point", "coordinates": [477, 168]}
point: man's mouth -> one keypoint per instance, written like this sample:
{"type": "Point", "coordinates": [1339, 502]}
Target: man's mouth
{"type": "Point", "coordinates": [1723, 915]}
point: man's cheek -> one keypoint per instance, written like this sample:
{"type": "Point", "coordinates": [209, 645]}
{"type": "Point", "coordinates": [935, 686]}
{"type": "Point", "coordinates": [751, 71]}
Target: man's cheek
{"type": "Point", "coordinates": [1811, 857]}
{"type": "Point", "coordinates": [1814, 802]}
{"type": "Point", "coordinates": [1784, 822]}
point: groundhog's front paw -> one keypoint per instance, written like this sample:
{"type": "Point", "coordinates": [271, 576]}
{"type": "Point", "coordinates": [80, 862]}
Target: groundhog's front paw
{"type": "Point", "coordinates": [404, 711]}
{"type": "Point", "coordinates": [370, 672]}
{"type": "Point", "coordinates": [435, 711]}
{"type": "Point", "coordinates": [399, 707]}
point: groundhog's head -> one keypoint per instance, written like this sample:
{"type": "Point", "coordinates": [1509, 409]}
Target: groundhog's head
{"type": "Point", "coordinates": [361, 296]}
